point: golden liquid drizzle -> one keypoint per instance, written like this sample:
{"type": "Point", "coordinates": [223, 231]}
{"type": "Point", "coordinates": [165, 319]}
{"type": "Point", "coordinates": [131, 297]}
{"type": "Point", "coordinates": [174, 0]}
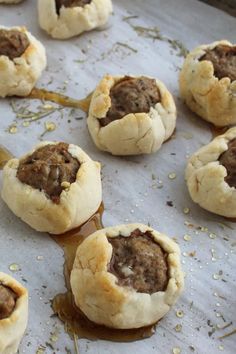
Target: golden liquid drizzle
{"type": "Point", "coordinates": [230, 219]}
{"type": "Point", "coordinates": [63, 100]}
{"type": "Point", "coordinates": [5, 156]}
{"type": "Point", "coordinates": [63, 304]}
{"type": "Point", "coordinates": [216, 131]}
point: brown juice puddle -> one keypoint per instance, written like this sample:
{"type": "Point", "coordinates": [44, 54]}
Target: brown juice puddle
{"type": "Point", "coordinates": [230, 219]}
{"type": "Point", "coordinates": [216, 131]}
{"type": "Point", "coordinates": [63, 304]}
{"type": "Point", "coordinates": [63, 100]}
{"type": "Point", "coordinates": [5, 156]}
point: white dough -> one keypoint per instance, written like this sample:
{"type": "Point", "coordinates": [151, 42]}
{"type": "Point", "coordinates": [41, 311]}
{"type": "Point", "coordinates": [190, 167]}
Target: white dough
{"type": "Point", "coordinates": [19, 76]}
{"type": "Point", "coordinates": [77, 203]}
{"type": "Point", "coordinates": [136, 133]}
{"type": "Point", "coordinates": [12, 328]}
{"type": "Point", "coordinates": [72, 21]}
{"type": "Point", "coordinates": [205, 177]}
{"type": "Point", "coordinates": [100, 297]}
{"type": "Point", "coordinates": [212, 99]}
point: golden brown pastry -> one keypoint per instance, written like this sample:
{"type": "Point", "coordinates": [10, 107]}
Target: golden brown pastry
{"type": "Point", "coordinates": [68, 18]}
{"type": "Point", "coordinates": [208, 82]}
{"type": "Point", "coordinates": [131, 115]}
{"type": "Point", "coordinates": [13, 313]}
{"type": "Point", "coordinates": [211, 175]}
{"type": "Point", "coordinates": [127, 276]}
{"type": "Point", "coordinates": [22, 60]}
{"type": "Point", "coordinates": [54, 188]}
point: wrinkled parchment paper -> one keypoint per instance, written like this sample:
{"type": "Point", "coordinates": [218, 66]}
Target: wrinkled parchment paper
{"type": "Point", "coordinates": [134, 188]}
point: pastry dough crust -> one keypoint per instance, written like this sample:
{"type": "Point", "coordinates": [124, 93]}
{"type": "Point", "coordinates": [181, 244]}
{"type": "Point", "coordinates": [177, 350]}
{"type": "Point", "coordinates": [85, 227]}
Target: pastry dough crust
{"type": "Point", "coordinates": [12, 328]}
{"type": "Point", "coordinates": [136, 133]}
{"type": "Point", "coordinates": [212, 99]}
{"type": "Point", "coordinates": [77, 203]}
{"type": "Point", "coordinates": [102, 300]}
{"type": "Point", "coordinates": [72, 21]}
{"type": "Point", "coordinates": [205, 177]}
{"type": "Point", "coordinates": [18, 76]}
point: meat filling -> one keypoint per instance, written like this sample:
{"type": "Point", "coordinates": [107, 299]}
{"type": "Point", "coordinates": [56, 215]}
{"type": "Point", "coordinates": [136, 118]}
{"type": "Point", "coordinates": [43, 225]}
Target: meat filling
{"type": "Point", "coordinates": [7, 301]}
{"type": "Point", "coordinates": [13, 43]}
{"type": "Point", "coordinates": [139, 262]}
{"type": "Point", "coordinates": [47, 168]}
{"type": "Point", "coordinates": [223, 58]}
{"type": "Point", "coordinates": [131, 95]}
{"type": "Point", "coordinates": [228, 160]}
{"type": "Point", "coordinates": [71, 3]}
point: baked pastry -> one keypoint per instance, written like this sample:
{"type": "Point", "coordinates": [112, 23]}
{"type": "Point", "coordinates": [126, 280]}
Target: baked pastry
{"type": "Point", "coordinates": [13, 313]}
{"type": "Point", "coordinates": [126, 276]}
{"type": "Point", "coordinates": [131, 115]}
{"type": "Point", "coordinates": [54, 188]}
{"type": "Point", "coordinates": [211, 175]}
{"type": "Point", "coordinates": [68, 18]}
{"type": "Point", "coordinates": [208, 82]}
{"type": "Point", "coordinates": [22, 60]}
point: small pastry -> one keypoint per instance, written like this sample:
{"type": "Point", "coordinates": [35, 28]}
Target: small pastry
{"type": "Point", "coordinates": [131, 115]}
{"type": "Point", "coordinates": [64, 19]}
{"type": "Point", "coordinates": [211, 175]}
{"type": "Point", "coordinates": [22, 60]}
{"type": "Point", "coordinates": [13, 313]}
{"type": "Point", "coordinates": [127, 276]}
{"type": "Point", "coordinates": [208, 82]}
{"type": "Point", "coordinates": [54, 188]}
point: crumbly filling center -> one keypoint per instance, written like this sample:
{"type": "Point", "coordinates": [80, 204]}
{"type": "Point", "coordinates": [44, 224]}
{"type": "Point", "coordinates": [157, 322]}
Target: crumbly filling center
{"type": "Point", "coordinates": [71, 3]}
{"type": "Point", "coordinates": [139, 262]}
{"type": "Point", "coordinates": [223, 58]}
{"type": "Point", "coordinates": [49, 169]}
{"type": "Point", "coordinates": [228, 160]}
{"type": "Point", "coordinates": [131, 95]}
{"type": "Point", "coordinates": [7, 301]}
{"type": "Point", "coordinates": [13, 43]}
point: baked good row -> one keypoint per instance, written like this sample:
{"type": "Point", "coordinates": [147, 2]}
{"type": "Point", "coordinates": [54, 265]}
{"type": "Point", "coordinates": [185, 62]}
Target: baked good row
{"type": "Point", "coordinates": [207, 85]}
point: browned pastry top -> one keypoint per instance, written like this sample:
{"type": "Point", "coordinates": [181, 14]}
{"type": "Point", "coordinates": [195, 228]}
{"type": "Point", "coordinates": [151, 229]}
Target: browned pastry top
{"type": "Point", "coordinates": [47, 168]}
{"type": "Point", "coordinates": [223, 58]}
{"type": "Point", "coordinates": [13, 43]}
{"type": "Point", "coordinates": [228, 160]}
{"type": "Point", "coordinates": [71, 3]}
{"type": "Point", "coordinates": [7, 301]}
{"type": "Point", "coordinates": [139, 262]}
{"type": "Point", "coordinates": [131, 95]}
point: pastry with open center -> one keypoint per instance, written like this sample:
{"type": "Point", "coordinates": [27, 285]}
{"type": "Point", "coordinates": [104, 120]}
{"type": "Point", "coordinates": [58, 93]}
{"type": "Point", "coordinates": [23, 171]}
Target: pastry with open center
{"type": "Point", "coordinates": [13, 313]}
{"type": "Point", "coordinates": [22, 60]}
{"type": "Point", "coordinates": [54, 188]}
{"type": "Point", "coordinates": [68, 18]}
{"type": "Point", "coordinates": [208, 82]}
{"type": "Point", "coordinates": [131, 115]}
{"type": "Point", "coordinates": [127, 276]}
{"type": "Point", "coordinates": [211, 175]}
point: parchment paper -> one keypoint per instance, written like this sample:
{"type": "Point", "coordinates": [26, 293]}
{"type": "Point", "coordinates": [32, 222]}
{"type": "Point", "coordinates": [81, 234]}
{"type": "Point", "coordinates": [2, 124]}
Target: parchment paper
{"type": "Point", "coordinates": [134, 188]}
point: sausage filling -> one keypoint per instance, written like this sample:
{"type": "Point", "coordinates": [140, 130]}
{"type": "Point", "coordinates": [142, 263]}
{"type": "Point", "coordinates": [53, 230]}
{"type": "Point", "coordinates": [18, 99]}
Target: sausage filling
{"type": "Point", "coordinates": [7, 301]}
{"type": "Point", "coordinates": [13, 43]}
{"type": "Point", "coordinates": [228, 160]}
{"type": "Point", "coordinates": [139, 262]}
{"type": "Point", "coordinates": [223, 58]}
{"type": "Point", "coordinates": [131, 95]}
{"type": "Point", "coordinates": [47, 168]}
{"type": "Point", "coordinates": [71, 3]}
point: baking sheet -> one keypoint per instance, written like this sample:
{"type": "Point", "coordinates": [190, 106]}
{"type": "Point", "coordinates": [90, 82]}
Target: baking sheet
{"type": "Point", "coordinates": [134, 188]}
